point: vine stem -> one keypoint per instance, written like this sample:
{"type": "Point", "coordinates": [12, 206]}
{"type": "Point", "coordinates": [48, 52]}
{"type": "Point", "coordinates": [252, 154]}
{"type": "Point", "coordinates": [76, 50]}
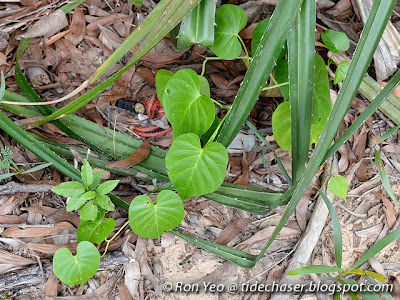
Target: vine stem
{"type": "Point", "coordinates": [275, 86]}
{"type": "Point", "coordinates": [220, 105]}
{"type": "Point", "coordinates": [245, 49]}
{"type": "Point", "coordinates": [114, 236]}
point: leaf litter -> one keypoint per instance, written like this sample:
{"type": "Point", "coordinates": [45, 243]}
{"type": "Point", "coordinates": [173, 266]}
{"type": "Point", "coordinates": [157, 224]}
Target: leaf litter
{"type": "Point", "coordinates": [93, 32]}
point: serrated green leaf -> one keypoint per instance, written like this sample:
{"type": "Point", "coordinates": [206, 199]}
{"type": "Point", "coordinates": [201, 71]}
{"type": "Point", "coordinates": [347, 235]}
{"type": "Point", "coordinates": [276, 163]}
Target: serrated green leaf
{"type": "Point", "coordinates": [335, 41]}
{"type": "Point", "coordinates": [69, 189]}
{"type": "Point", "coordinates": [341, 71]}
{"type": "Point", "coordinates": [95, 231]}
{"type": "Point", "coordinates": [88, 195]}
{"type": "Point", "coordinates": [87, 173]}
{"type": "Point", "coordinates": [185, 107]}
{"type": "Point", "coordinates": [151, 220]}
{"type": "Point", "coordinates": [315, 269]}
{"type": "Point", "coordinates": [388, 133]}
{"type": "Point", "coordinates": [195, 171]}
{"type": "Point", "coordinates": [89, 211]}
{"type": "Point", "coordinates": [384, 177]}
{"type": "Point", "coordinates": [96, 180]}
{"type": "Point", "coordinates": [198, 26]}
{"type": "Point", "coordinates": [76, 269]}
{"type": "Point", "coordinates": [229, 20]}
{"type": "Point", "coordinates": [107, 187]}
{"type": "Point", "coordinates": [339, 186]}
{"type": "Point", "coordinates": [162, 78]}
{"type": "Point", "coordinates": [104, 202]}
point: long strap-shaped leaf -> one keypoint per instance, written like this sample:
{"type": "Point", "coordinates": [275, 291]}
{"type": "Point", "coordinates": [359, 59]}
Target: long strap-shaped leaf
{"type": "Point", "coordinates": [260, 68]}
{"type": "Point", "coordinates": [366, 47]}
{"type": "Point", "coordinates": [301, 51]}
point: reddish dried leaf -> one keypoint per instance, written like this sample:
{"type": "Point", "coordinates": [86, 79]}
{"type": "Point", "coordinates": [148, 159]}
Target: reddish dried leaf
{"type": "Point", "coordinates": [122, 83]}
{"type": "Point", "coordinates": [147, 75]}
{"type": "Point", "coordinates": [10, 258]}
{"type": "Point", "coordinates": [244, 178]}
{"type": "Point", "coordinates": [51, 287]}
{"type": "Point", "coordinates": [124, 292]}
{"type": "Point", "coordinates": [388, 209]}
{"type": "Point", "coordinates": [221, 82]}
{"type": "Point", "coordinates": [49, 248]}
{"type": "Point", "coordinates": [247, 33]}
{"type": "Point", "coordinates": [138, 156]}
{"type": "Point", "coordinates": [56, 37]}
{"type": "Point", "coordinates": [78, 27]}
{"type": "Point", "coordinates": [11, 219]}
{"type": "Point", "coordinates": [35, 232]}
{"type": "Point", "coordinates": [230, 231]}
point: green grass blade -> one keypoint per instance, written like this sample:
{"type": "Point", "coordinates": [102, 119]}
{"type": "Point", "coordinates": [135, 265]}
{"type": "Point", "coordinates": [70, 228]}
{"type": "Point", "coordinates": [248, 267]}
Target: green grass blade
{"type": "Point", "coordinates": [315, 269]}
{"type": "Point", "coordinates": [385, 295]}
{"type": "Point", "coordinates": [260, 68]}
{"type": "Point", "coordinates": [377, 247]}
{"type": "Point", "coordinates": [366, 47]}
{"type": "Point", "coordinates": [337, 231]}
{"type": "Point", "coordinates": [240, 258]}
{"type": "Point", "coordinates": [301, 52]}
{"type": "Point", "coordinates": [71, 6]}
{"type": "Point", "coordinates": [388, 133]}
{"type": "Point", "coordinates": [384, 177]}
{"type": "Point", "coordinates": [164, 17]}
{"type": "Point", "coordinates": [37, 168]}
{"type": "Point", "coordinates": [6, 175]}
{"type": "Point", "coordinates": [2, 86]}
{"type": "Point", "coordinates": [386, 92]}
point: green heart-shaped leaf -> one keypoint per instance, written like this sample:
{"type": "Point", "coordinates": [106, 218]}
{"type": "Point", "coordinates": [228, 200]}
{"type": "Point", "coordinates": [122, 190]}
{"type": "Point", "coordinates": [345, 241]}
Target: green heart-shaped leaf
{"type": "Point", "coordinates": [162, 78]}
{"type": "Point", "coordinates": [339, 186]}
{"type": "Point", "coordinates": [335, 41]}
{"type": "Point", "coordinates": [341, 71]}
{"type": "Point", "coordinates": [322, 104]}
{"type": "Point", "coordinates": [194, 171]}
{"type": "Point", "coordinates": [229, 20]}
{"type": "Point", "coordinates": [150, 220]}
{"type": "Point", "coordinates": [185, 107]}
{"type": "Point", "coordinates": [95, 231]}
{"type": "Point", "coordinates": [76, 269]}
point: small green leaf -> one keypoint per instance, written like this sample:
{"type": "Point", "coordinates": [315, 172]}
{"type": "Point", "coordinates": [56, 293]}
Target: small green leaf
{"type": "Point", "coordinates": [69, 189]}
{"type": "Point", "coordinates": [341, 71]}
{"type": "Point", "coordinates": [107, 187]}
{"type": "Point", "coordinates": [87, 173]}
{"type": "Point", "coordinates": [384, 177]}
{"type": "Point", "coordinates": [335, 41]}
{"type": "Point", "coordinates": [194, 171]}
{"type": "Point", "coordinates": [75, 203]}
{"type": "Point", "coordinates": [258, 32]}
{"type": "Point", "coordinates": [88, 195]}
{"type": "Point", "coordinates": [105, 202]}
{"type": "Point", "coordinates": [89, 211]}
{"type": "Point", "coordinates": [315, 269]}
{"type": "Point", "coordinates": [322, 104]}
{"type": "Point", "coordinates": [95, 231]}
{"type": "Point", "coordinates": [7, 175]}
{"type": "Point", "coordinates": [229, 20]}
{"type": "Point", "coordinates": [150, 220]}
{"type": "Point", "coordinates": [138, 3]}
{"type": "Point", "coordinates": [185, 107]}
{"type": "Point", "coordinates": [339, 186]}
{"type": "Point", "coordinates": [162, 78]}
{"type": "Point", "coordinates": [204, 86]}
{"type": "Point", "coordinates": [76, 269]}
{"type": "Point", "coordinates": [388, 133]}
{"type": "Point", "coordinates": [96, 180]}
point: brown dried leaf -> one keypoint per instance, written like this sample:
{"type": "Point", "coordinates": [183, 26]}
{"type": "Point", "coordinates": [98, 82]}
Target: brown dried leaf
{"type": "Point", "coordinates": [138, 156]}
{"type": "Point", "coordinates": [10, 258]}
{"type": "Point", "coordinates": [47, 25]}
{"type": "Point", "coordinates": [388, 209]}
{"type": "Point", "coordinates": [247, 33]}
{"type": "Point", "coordinates": [147, 75]}
{"type": "Point", "coordinates": [265, 234]}
{"type": "Point", "coordinates": [49, 248]}
{"type": "Point", "coordinates": [221, 82]}
{"type": "Point", "coordinates": [110, 38]}
{"type": "Point", "coordinates": [396, 91]}
{"type": "Point", "coordinates": [370, 232]}
{"type": "Point", "coordinates": [11, 219]}
{"type": "Point", "coordinates": [244, 178]}
{"type": "Point", "coordinates": [230, 231]}
{"type": "Point", "coordinates": [35, 232]}
{"type": "Point", "coordinates": [11, 202]}
{"type": "Point", "coordinates": [59, 217]}
{"type": "Point", "coordinates": [122, 83]}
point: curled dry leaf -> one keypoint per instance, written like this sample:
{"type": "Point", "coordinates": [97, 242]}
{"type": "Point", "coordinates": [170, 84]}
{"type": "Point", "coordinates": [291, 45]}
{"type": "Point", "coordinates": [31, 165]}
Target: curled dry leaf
{"type": "Point", "coordinates": [388, 209]}
{"type": "Point", "coordinates": [39, 231]}
{"type": "Point", "coordinates": [139, 155]}
{"type": "Point", "coordinates": [51, 287]}
{"type": "Point", "coordinates": [47, 25]}
{"type": "Point", "coordinates": [7, 257]}
{"type": "Point", "coordinates": [230, 231]}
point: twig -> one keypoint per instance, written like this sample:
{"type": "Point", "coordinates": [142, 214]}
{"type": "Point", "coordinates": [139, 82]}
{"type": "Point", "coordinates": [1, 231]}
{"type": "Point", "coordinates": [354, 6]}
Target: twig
{"type": "Point", "coordinates": [14, 187]}
{"type": "Point", "coordinates": [363, 216]}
